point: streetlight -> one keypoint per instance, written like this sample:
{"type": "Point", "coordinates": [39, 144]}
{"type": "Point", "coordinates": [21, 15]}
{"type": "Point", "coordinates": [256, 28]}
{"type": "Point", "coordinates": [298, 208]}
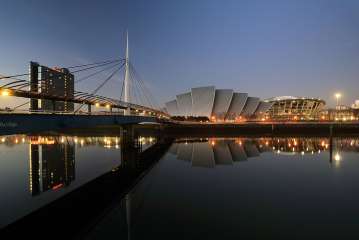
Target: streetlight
{"type": "Point", "coordinates": [5, 93]}
{"type": "Point", "coordinates": [338, 96]}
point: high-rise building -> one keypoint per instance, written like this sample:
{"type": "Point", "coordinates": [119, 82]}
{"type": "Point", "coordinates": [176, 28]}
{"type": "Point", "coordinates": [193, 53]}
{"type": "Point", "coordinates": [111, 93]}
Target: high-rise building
{"type": "Point", "coordinates": [52, 82]}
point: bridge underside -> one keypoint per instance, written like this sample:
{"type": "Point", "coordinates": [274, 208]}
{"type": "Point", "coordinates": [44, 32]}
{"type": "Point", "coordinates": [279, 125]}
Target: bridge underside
{"type": "Point", "coordinates": [24, 123]}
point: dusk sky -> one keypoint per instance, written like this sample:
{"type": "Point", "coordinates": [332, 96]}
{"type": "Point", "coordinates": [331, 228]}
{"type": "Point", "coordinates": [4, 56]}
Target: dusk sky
{"type": "Point", "coordinates": [266, 48]}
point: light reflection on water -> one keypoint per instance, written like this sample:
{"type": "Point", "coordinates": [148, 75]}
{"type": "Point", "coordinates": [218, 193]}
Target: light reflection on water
{"type": "Point", "coordinates": [35, 170]}
{"type": "Point", "coordinates": [213, 188]}
{"type": "Point", "coordinates": [246, 188]}
{"type": "Point", "coordinates": [209, 152]}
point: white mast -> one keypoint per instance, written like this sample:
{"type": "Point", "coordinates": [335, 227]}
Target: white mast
{"type": "Point", "coordinates": [127, 78]}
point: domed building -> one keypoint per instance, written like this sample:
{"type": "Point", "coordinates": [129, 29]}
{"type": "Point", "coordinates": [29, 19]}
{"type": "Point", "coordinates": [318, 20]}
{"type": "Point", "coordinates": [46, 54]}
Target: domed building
{"type": "Point", "coordinates": [295, 108]}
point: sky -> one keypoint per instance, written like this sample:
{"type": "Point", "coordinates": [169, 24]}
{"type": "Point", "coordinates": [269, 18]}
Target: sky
{"type": "Point", "coordinates": [265, 48]}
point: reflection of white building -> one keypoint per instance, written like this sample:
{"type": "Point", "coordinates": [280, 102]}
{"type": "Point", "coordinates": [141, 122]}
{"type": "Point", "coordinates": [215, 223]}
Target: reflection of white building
{"type": "Point", "coordinates": [221, 104]}
{"type": "Point", "coordinates": [208, 154]}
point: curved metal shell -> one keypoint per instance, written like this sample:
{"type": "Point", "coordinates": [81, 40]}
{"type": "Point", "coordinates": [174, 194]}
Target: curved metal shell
{"type": "Point", "coordinates": [222, 101]}
{"type": "Point", "coordinates": [172, 108]}
{"type": "Point", "coordinates": [250, 107]}
{"type": "Point", "coordinates": [184, 104]}
{"type": "Point", "coordinates": [238, 102]}
{"type": "Point", "coordinates": [202, 101]}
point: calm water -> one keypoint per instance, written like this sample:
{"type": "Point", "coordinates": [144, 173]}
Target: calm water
{"type": "Point", "coordinates": [216, 188]}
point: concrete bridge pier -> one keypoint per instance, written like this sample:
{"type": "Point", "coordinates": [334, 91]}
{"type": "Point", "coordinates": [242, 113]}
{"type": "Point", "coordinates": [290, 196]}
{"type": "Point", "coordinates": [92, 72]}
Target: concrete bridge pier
{"type": "Point", "coordinates": [89, 108]}
{"type": "Point", "coordinates": [130, 146]}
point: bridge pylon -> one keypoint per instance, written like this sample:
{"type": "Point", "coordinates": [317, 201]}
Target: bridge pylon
{"type": "Point", "coordinates": [127, 97]}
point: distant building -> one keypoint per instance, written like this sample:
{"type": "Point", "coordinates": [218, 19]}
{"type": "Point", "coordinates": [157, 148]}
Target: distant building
{"type": "Point", "coordinates": [216, 105]}
{"type": "Point", "coordinates": [53, 82]}
{"type": "Point", "coordinates": [340, 114]}
{"type": "Point", "coordinates": [355, 105]}
{"type": "Point", "coordinates": [295, 108]}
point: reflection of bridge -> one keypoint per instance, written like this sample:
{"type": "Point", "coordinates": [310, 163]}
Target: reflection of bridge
{"type": "Point", "coordinates": [135, 99]}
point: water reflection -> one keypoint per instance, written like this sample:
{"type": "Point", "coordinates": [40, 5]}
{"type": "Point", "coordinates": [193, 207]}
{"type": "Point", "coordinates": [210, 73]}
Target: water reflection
{"type": "Point", "coordinates": [36, 170]}
{"type": "Point", "coordinates": [209, 152]}
{"type": "Point", "coordinates": [224, 182]}
{"type": "Point", "coordinates": [51, 164]}
{"type": "Point", "coordinates": [264, 199]}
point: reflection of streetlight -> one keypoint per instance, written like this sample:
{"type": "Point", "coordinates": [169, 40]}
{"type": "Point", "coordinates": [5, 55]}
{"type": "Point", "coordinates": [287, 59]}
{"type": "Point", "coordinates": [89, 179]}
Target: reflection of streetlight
{"type": "Point", "coordinates": [338, 96]}
{"type": "Point", "coordinates": [337, 157]}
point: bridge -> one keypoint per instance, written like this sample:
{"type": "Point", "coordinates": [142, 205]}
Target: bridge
{"type": "Point", "coordinates": [22, 88]}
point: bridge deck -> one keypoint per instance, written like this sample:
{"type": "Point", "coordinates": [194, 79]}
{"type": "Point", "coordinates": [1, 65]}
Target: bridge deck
{"type": "Point", "coordinates": [21, 123]}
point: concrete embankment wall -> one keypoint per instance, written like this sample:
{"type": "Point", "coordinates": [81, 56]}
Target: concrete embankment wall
{"type": "Point", "coordinates": [321, 129]}
{"type": "Point", "coordinates": [23, 123]}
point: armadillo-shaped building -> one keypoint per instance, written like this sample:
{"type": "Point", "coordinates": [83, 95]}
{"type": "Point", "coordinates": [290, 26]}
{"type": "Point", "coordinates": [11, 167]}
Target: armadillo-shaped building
{"type": "Point", "coordinates": [221, 104]}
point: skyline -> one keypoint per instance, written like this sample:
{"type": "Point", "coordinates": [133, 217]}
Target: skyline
{"type": "Point", "coordinates": [306, 48]}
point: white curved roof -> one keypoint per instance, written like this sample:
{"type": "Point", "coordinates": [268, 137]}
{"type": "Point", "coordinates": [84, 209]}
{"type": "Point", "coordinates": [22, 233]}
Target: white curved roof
{"type": "Point", "coordinates": [184, 104]}
{"type": "Point", "coordinates": [250, 107]}
{"type": "Point", "coordinates": [223, 98]}
{"type": "Point", "coordinates": [237, 105]}
{"type": "Point", "coordinates": [202, 101]}
{"type": "Point", "coordinates": [172, 108]}
{"type": "Point", "coordinates": [220, 103]}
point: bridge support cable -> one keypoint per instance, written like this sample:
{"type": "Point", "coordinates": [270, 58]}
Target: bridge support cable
{"type": "Point", "coordinates": [13, 76]}
{"type": "Point", "coordinates": [101, 85]}
{"type": "Point", "coordinates": [21, 105]}
{"type": "Point", "coordinates": [142, 87]}
{"type": "Point", "coordinates": [93, 65]}
{"type": "Point", "coordinates": [143, 96]}
{"type": "Point", "coordinates": [98, 72]}
{"type": "Point", "coordinates": [145, 88]}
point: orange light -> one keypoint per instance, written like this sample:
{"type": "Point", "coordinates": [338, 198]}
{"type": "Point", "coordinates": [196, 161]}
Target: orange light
{"type": "Point", "coordinates": [5, 93]}
{"type": "Point", "coordinates": [263, 119]}
{"type": "Point", "coordinates": [295, 118]}
{"type": "Point", "coordinates": [97, 105]}
{"type": "Point", "coordinates": [57, 186]}
{"type": "Point", "coordinates": [213, 143]}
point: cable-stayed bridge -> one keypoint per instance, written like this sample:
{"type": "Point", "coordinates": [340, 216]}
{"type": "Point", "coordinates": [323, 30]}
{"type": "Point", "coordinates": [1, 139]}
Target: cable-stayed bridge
{"type": "Point", "coordinates": [134, 98]}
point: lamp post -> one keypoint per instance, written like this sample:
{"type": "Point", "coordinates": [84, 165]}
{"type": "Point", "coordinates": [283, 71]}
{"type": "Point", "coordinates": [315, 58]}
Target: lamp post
{"type": "Point", "coordinates": [338, 96]}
